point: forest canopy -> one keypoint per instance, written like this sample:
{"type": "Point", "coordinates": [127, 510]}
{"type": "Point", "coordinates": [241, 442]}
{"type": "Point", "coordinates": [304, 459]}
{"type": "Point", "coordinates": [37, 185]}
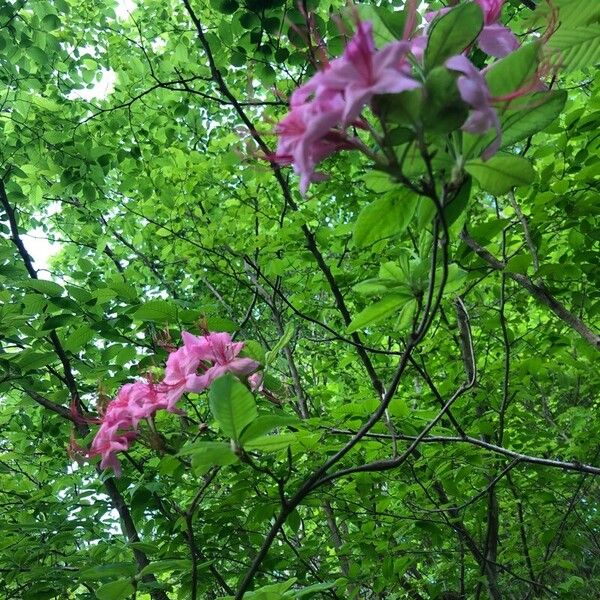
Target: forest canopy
{"type": "Point", "coordinates": [299, 299]}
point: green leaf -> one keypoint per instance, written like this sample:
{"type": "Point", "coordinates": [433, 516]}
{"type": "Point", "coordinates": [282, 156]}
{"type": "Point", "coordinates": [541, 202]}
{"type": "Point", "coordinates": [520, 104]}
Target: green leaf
{"type": "Point", "coordinates": [378, 311]}
{"type": "Point", "coordinates": [115, 590]}
{"type": "Point", "coordinates": [167, 565]}
{"type": "Point", "coordinates": [513, 71]}
{"type": "Point", "coordinates": [571, 13]}
{"type": "Point", "coordinates": [455, 278]}
{"type": "Point", "coordinates": [232, 405]}
{"type": "Point", "coordinates": [50, 22]}
{"type": "Point", "coordinates": [519, 264]}
{"type": "Point", "coordinates": [285, 339]}
{"type": "Point", "coordinates": [309, 590]}
{"type": "Point", "coordinates": [543, 109]}
{"type": "Point", "coordinates": [254, 350]}
{"type": "Point", "coordinates": [271, 443]}
{"type": "Point", "coordinates": [576, 48]}
{"type": "Point", "coordinates": [220, 324]}
{"type": "Point", "coordinates": [454, 209]}
{"type": "Point", "coordinates": [388, 25]}
{"type": "Point", "coordinates": [49, 288]}
{"type": "Point", "coordinates": [38, 55]}
{"type": "Point", "coordinates": [210, 453]}
{"type": "Point", "coordinates": [146, 547]}
{"type": "Point", "coordinates": [402, 109]}
{"type": "Point", "coordinates": [227, 7]}
{"type": "Point", "coordinates": [108, 570]}
{"type": "Point", "coordinates": [156, 310]}
{"type": "Point", "coordinates": [385, 217]}
{"type": "Point", "coordinates": [372, 287]}
{"type": "Point", "coordinates": [451, 33]}
{"type": "Point", "coordinates": [266, 423]}
{"type": "Point", "coordinates": [29, 360]}
{"type": "Point", "coordinates": [444, 111]}
{"type": "Point", "coordinates": [501, 173]}
{"type": "Point", "coordinates": [78, 338]}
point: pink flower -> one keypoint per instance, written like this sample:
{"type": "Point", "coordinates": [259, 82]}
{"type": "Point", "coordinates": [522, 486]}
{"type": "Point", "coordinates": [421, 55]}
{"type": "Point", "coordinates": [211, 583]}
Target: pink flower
{"type": "Point", "coordinates": [363, 72]}
{"type": "Point", "coordinates": [213, 355]}
{"type": "Point", "coordinates": [114, 436]}
{"type": "Point", "coordinates": [181, 370]}
{"type": "Point", "coordinates": [495, 39]}
{"type": "Point", "coordinates": [417, 46]}
{"type": "Point", "coordinates": [135, 401]}
{"type": "Point", "coordinates": [224, 354]}
{"type": "Point", "coordinates": [143, 400]}
{"type": "Point", "coordinates": [474, 91]}
{"type": "Point", "coordinates": [334, 98]}
{"type": "Point", "coordinates": [306, 136]}
{"type": "Point", "coordinates": [491, 10]}
{"type": "Point", "coordinates": [255, 382]}
{"type": "Point", "coordinates": [195, 355]}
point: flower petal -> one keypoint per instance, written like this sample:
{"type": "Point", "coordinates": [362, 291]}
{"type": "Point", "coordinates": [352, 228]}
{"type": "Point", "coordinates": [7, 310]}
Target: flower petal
{"type": "Point", "coordinates": [497, 40]}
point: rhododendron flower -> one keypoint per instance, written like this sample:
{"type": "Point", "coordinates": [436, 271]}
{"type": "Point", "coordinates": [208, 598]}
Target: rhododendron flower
{"type": "Point", "coordinates": [495, 39]}
{"type": "Point", "coordinates": [334, 98]}
{"type": "Point", "coordinates": [107, 443]}
{"type": "Point", "coordinates": [143, 400]}
{"type": "Point", "coordinates": [180, 374]}
{"type": "Point", "coordinates": [223, 353]}
{"type": "Point", "coordinates": [474, 91]}
{"type": "Point", "coordinates": [212, 355]}
{"type": "Point", "coordinates": [115, 434]}
{"type": "Point", "coordinates": [134, 402]}
{"type": "Point", "coordinates": [363, 72]}
{"type": "Point", "coordinates": [306, 137]}
{"type": "Point", "coordinates": [255, 382]}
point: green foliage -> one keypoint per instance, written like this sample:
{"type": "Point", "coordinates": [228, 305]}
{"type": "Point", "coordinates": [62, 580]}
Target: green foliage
{"type": "Point", "coordinates": [232, 405]}
{"type": "Point", "coordinates": [577, 48]}
{"type": "Point", "coordinates": [500, 174]}
{"type": "Point", "coordinates": [162, 219]}
{"type": "Point", "coordinates": [385, 217]}
{"type": "Point", "coordinates": [452, 33]}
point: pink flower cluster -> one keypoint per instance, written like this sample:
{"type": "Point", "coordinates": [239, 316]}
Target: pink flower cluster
{"type": "Point", "coordinates": [322, 109]}
{"type": "Point", "coordinates": [190, 368]}
{"type": "Point", "coordinates": [333, 99]}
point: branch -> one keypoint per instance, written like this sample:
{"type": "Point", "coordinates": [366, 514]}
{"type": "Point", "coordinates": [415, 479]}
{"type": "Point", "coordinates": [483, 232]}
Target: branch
{"type": "Point", "coordinates": [131, 533]}
{"type": "Point", "coordinates": [526, 232]}
{"type": "Point", "coordinates": [28, 262]}
{"type": "Point", "coordinates": [60, 410]}
{"type": "Point", "coordinates": [538, 292]}
{"type": "Point", "coordinates": [443, 439]}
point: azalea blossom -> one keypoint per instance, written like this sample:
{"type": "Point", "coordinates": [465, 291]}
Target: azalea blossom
{"type": "Point", "coordinates": [143, 400]}
{"type": "Point", "coordinates": [333, 99]}
{"type": "Point", "coordinates": [107, 444]}
{"type": "Point", "coordinates": [363, 72]}
{"type": "Point", "coordinates": [256, 382]}
{"type": "Point", "coordinates": [495, 39]}
{"type": "Point", "coordinates": [115, 435]}
{"type": "Point", "coordinates": [223, 352]}
{"type": "Point", "coordinates": [474, 91]}
{"type": "Point", "coordinates": [190, 368]}
{"type": "Point", "coordinates": [306, 136]}
{"type": "Point", "coordinates": [180, 373]}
